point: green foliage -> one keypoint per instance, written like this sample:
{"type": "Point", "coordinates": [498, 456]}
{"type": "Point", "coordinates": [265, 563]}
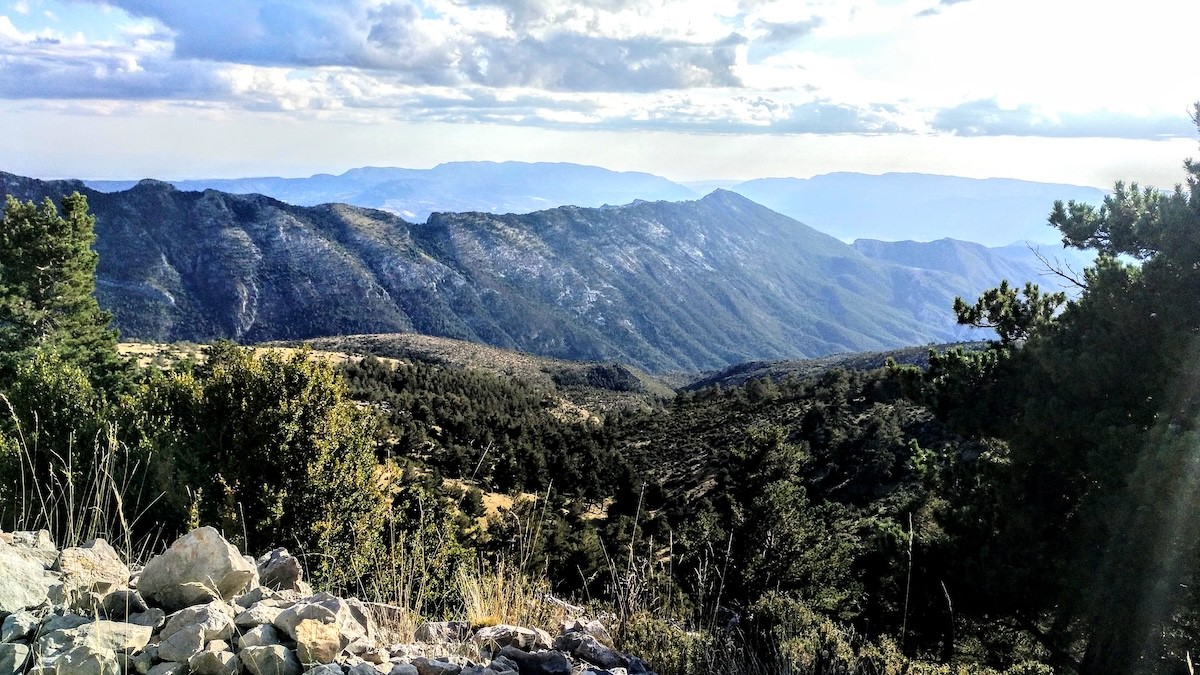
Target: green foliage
{"type": "Point", "coordinates": [47, 282]}
{"type": "Point", "coordinates": [1013, 316]}
{"type": "Point", "coordinates": [282, 456]}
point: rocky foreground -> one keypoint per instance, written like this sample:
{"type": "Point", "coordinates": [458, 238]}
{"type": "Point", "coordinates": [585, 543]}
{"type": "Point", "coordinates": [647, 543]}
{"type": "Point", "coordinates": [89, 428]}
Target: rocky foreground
{"type": "Point", "coordinates": [202, 607]}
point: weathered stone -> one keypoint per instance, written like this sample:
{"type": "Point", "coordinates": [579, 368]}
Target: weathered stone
{"type": "Point", "coordinates": [13, 658]}
{"type": "Point", "coordinates": [375, 655]}
{"type": "Point", "coordinates": [182, 645]}
{"type": "Point", "coordinates": [477, 670]}
{"type": "Point", "coordinates": [259, 636]}
{"type": "Point", "coordinates": [24, 583]}
{"type": "Point", "coordinates": [593, 627]}
{"type": "Point", "coordinates": [317, 642]}
{"type": "Point", "coordinates": [326, 669]}
{"type": "Point", "coordinates": [502, 663]}
{"type": "Point", "coordinates": [169, 668]}
{"type": "Point", "coordinates": [493, 638]}
{"type": "Point", "coordinates": [279, 570]}
{"type": "Point", "coordinates": [18, 626]}
{"type": "Point", "coordinates": [443, 631]}
{"type": "Point", "coordinates": [258, 614]}
{"type": "Point", "coordinates": [288, 619]}
{"type": "Point", "coordinates": [140, 663]}
{"type": "Point", "coordinates": [95, 566]}
{"type": "Point", "coordinates": [537, 663]}
{"type": "Point", "coordinates": [270, 660]}
{"type": "Point", "coordinates": [199, 564]}
{"type": "Point", "coordinates": [404, 669]}
{"type": "Point", "coordinates": [115, 636]}
{"type": "Point", "coordinates": [80, 660]}
{"type": "Point", "coordinates": [35, 539]}
{"type": "Point", "coordinates": [435, 667]}
{"type": "Point", "coordinates": [638, 667]}
{"type": "Point", "coordinates": [65, 621]}
{"type": "Point", "coordinates": [120, 604]}
{"type": "Point", "coordinates": [153, 617]}
{"type": "Point", "coordinates": [585, 646]}
{"type": "Point", "coordinates": [216, 618]}
{"type": "Point", "coordinates": [351, 616]}
{"type": "Point", "coordinates": [214, 663]}
{"type": "Point", "coordinates": [364, 668]}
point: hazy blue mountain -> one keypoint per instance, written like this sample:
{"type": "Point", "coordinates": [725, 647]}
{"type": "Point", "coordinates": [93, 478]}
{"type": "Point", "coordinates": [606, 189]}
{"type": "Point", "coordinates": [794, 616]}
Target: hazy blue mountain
{"type": "Point", "coordinates": [921, 207]}
{"type": "Point", "coordinates": [685, 286]}
{"type": "Point", "coordinates": [507, 187]}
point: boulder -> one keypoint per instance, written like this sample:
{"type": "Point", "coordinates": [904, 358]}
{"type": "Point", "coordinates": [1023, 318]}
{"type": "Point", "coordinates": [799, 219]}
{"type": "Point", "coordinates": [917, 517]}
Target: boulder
{"type": "Point", "coordinates": [326, 669]}
{"type": "Point", "coordinates": [537, 663]}
{"type": "Point", "coordinates": [280, 570]}
{"type": "Point", "coordinates": [13, 658]}
{"type": "Point", "coordinates": [121, 603]}
{"type": "Point", "coordinates": [93, 567]}
{"type": "Point", "coordinates": [215, 618]}
{"type": "Point", "coordinates": [351, 616]}
{"type": "Point", "coordinates": [214, 663]}
{"type": "Point", "coordinates": [404, 669]}
{"type": "Point", "coordinates": [79, 660]}
{"type": "Point", "coordinates": [19, 626]}
{"type": "Point", "coordinates": [260, 613]}
{"type": "Point", "coordinates": [24, 583]}
{"type": "Point", "coordinates": [435, 667]}
{"type": "Point", "coordinates": [259, 636]}
{"type": "Point", "coordinates": [585, 646]}
{"type": "Point", "coordinates": [199, 567]}
{"type": "Point", "coordinates": [168, 668]}
{"type": "Point", "coordinates": [115, 636]}
{"type": "Point", "coordinates": [492, 638]}
{"type": "Point", "coordinates": [183, 644]}
{"type": "Point", "coordinates": [317, 642]}
{"type": "Point", "coordinates": [270, 660]}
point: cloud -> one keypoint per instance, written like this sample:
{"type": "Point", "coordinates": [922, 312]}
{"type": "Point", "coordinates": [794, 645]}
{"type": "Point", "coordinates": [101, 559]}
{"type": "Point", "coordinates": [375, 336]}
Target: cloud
{"type": "Point", "coordinates": [789, 31]}
{"type": "Point", "coordinates": [986, 117]}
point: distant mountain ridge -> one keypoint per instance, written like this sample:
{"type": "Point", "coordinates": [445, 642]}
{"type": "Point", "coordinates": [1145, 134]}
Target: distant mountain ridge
{"type": "Point", "coordinates": [922, 207]}
{"type": "Point", "coordinates": [413, 194]}
{"type": "Point", "coordinates": [686, 286]}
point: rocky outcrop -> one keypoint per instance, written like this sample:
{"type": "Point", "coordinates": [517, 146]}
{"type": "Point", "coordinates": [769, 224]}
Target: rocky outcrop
{"type": "Point", "coordinates": [202, 608]}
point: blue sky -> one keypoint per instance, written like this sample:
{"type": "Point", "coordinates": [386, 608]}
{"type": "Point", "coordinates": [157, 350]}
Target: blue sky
{"type": "Point", "coordinates": [1053, 90]}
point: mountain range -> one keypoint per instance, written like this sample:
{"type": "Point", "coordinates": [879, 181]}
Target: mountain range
{"type": "Point", "coordinates": [665, 286]}
{"type": "Point", "coordinates": [893, 206]}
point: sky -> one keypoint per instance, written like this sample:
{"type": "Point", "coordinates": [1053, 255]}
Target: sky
{"type": "Point", "coordinates": [1067, 91]}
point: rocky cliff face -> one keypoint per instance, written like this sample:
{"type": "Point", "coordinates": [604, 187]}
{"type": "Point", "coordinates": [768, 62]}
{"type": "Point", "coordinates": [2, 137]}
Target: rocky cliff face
{"type": "Point", "coordinates": [664, 286]}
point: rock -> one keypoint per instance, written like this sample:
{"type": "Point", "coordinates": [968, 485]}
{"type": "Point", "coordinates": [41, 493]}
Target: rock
{"type": "Point", "coordinates": [39, 540]}
{"type": "Point", "coordinates": [121, 603]}
{"type": "Point", "coordinates": [66, 621]}
{"type": "Point", "coordinates": [363, 668]}
{"type": "Point", "coordinates": [140, 663]}
{"type": "Point", "coordinates": [270, 660]}
{"type": "Point", "coordinates": [538, 663]}
{"type": "Point", "coordinates": [200, 566]}
{"type": "Point", "coordinates": [168, 668]}
{"type": "Point", "coordinates": [19, 626]}
{"type": "Point", "coordinates": [214, 663]}
{"type": "Point", "coordinates": [317, 642]}
{"type": "Point", "coordinates": [443, 631]}
{"type": "Point", "coordinates": [502, 663]}
{"type": "Point", "coordinates": [216, 618]}
{"type": "Point", "coordinates": [404, 669]}
{"type": "Point", "coordinates": [593, 628]}
{"type": "Point", "coordinates": [153, 617]}
{"type": "Point", "coordinates": [326, 669]}
{"type": "Point", "coordinates": [585, 646]}
{"type": "Point", "coordinates": [114, 636]}
{"type": "Point", "coordinates": [79, 660]}
{"type": "Point", "coordinates": [478, 670]}
{"type": "Point", "coordinates": [24, 582]}
{"type": "Point", "coordinates": [493, 638]}
{"type": "Point", "coordinates": [638, 667]}
{"type": "Point", "coordinates": [259, 636]}
{"type": "Point", "coordinates": [352, 616]}
{"type": "Point", "coordinates": [259, 613]}
{"type": "Point", "coordinates": [280, 570]}
{"type": "Point", "coordinates": [288, 619]}
{"type": "Point", "coordinates": [13, 658]}
{"type": "Point", "coordinates": [435, 667]}
{"type": "Point", "coordinates": [182, 645]}
{"type": "Point", "coordinates": [95, 566]}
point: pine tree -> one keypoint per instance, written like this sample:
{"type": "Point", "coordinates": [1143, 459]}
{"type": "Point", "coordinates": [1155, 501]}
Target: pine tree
{"type": "Point", "coordinates": [47, 284]}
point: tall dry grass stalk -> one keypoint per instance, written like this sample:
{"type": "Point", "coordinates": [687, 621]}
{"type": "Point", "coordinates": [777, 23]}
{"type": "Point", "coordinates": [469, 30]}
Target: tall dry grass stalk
{"type": "Point", "coordinates": [76, 507]}
{"type": "Point", "coordinates": [505, 594]}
